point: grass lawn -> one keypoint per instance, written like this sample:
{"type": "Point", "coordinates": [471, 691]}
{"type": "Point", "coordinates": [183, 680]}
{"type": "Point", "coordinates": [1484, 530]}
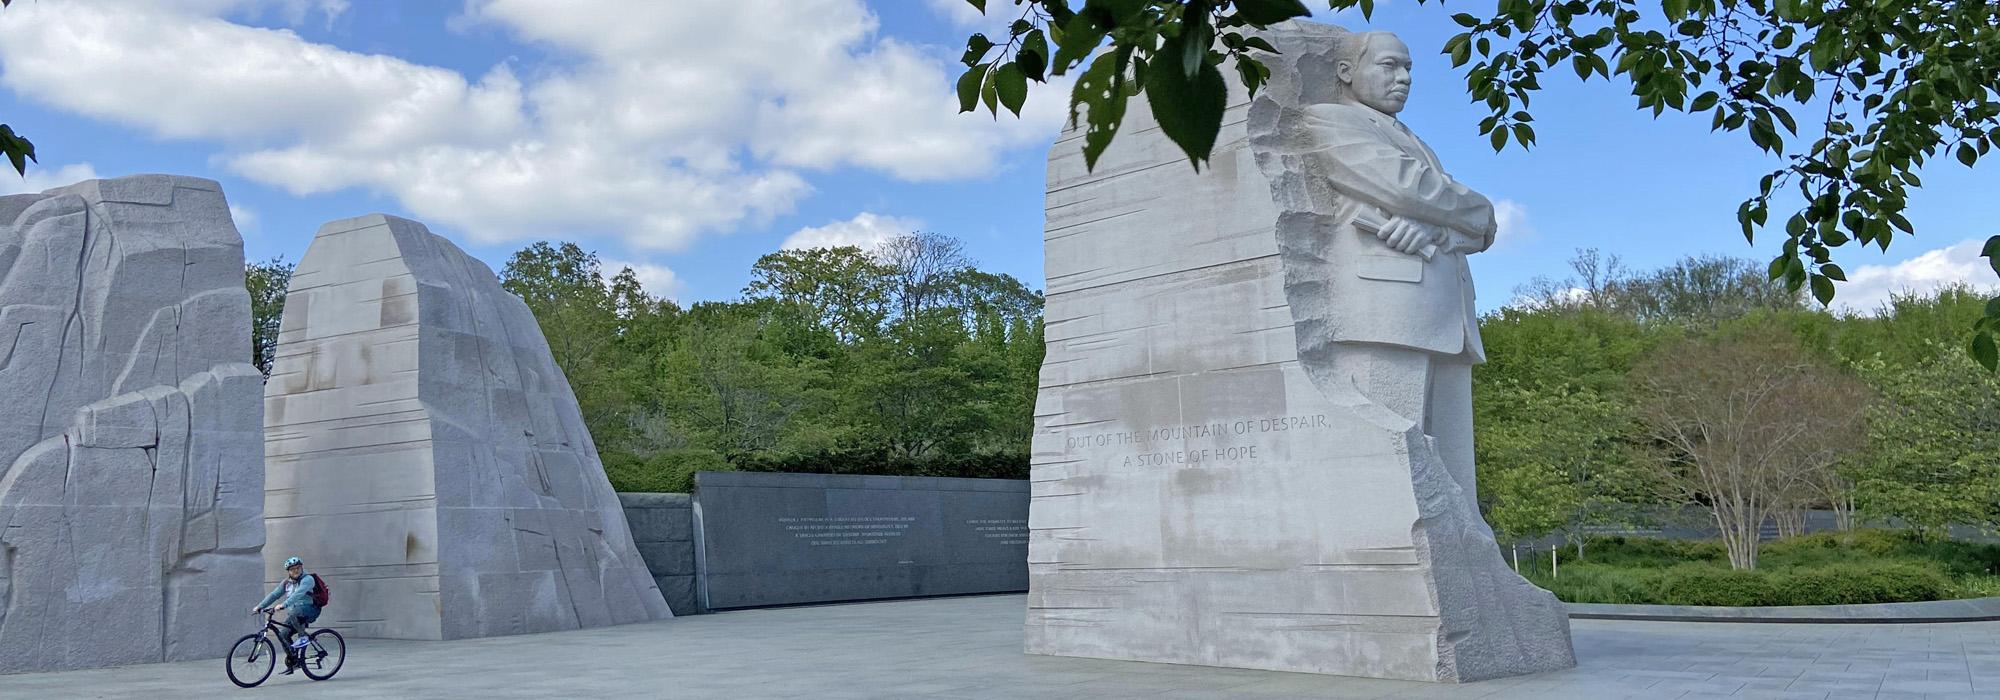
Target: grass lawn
{"type": "Point", "coordinates": [1865, 566]}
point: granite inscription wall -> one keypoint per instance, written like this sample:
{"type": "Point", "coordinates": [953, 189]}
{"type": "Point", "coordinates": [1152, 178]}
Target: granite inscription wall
{"type": "Point", "coordinates": [779, 539]}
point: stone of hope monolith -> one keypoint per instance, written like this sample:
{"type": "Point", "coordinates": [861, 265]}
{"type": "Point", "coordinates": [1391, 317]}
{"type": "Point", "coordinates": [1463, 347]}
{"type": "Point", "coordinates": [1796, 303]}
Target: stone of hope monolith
{"type": "Point", "coordinates": [1253, 441]}
{"type": "Point", "coordinates": [427, 455]}
{"type": "Point", "coordinates": [131, 444]}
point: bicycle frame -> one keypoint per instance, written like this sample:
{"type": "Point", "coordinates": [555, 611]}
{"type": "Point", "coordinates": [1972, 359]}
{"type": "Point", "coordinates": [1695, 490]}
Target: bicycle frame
{"type": "Point", "coordinates": [277, 633]}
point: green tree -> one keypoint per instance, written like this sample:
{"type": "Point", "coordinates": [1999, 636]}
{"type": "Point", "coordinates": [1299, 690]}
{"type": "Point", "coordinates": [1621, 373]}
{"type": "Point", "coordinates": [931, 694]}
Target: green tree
{"type": "Point", "coordinates": [1934, 444]}
{"type": "Point", "coordinates": [267, 282]}
{"type": "Point", "coordinates": [1553, 421]}
{"type": "Point", "coordinates": [1898, 81]}
{"type": "Point", "coordinates": [842, 293]}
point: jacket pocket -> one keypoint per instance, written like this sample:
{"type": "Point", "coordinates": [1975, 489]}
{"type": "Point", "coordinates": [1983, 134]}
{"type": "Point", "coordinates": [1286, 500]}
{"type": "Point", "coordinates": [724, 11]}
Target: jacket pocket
{"type": "Point", "coordinates": [1391, 268]}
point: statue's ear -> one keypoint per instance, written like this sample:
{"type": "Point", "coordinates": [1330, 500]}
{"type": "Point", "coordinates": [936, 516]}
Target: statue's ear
{"type": "Point", "coordinates": [1343, 71]}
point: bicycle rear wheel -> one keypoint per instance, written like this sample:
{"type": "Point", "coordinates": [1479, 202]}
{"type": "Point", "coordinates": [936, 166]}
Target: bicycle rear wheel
{"type": "Point", "coordinates": [250, 660]}
{"type": "Point", "coordinates": [324, 655]}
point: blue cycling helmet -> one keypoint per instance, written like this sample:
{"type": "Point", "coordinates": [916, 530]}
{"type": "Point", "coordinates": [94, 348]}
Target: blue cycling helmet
{"type": "Point", "coordinates": [294, 561]}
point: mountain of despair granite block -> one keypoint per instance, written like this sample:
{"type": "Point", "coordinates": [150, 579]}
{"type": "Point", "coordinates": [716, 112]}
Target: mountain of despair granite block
{"type": "Point", "coordinates": [1253, 439]}
{"type": "Point", "coordinates": [426, 453]}
{"type": "Point", "coordinates": [131, 430]}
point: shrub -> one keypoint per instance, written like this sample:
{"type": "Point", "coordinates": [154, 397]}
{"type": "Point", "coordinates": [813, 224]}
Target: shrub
{"type": "Point", "coordinates": [1708, 585]}
{"type": "Point", "coordinates": [1878, 543]}
{"type": "Point", "coordinates": [667, 471]}
{"type": "Point", "coordinates": [1856, 584]}
{"type": "Point", "coordinates": [1645, 551]}
{"type": "Point", "coordinates": [1843, 568]}
{"type": "Point", "coordinates": [1590, 583]}
{"type": "Point", "coordinates": [1002, 465]}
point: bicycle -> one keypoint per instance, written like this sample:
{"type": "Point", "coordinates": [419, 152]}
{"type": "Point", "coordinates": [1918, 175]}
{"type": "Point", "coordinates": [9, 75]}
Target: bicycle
{"type": "Point", "coordinates": [256, 654]}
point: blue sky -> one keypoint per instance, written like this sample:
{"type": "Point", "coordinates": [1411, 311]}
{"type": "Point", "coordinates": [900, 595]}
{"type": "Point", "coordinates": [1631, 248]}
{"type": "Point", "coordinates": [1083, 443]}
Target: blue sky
{"type": "Point", "coordinates": [689, 137]}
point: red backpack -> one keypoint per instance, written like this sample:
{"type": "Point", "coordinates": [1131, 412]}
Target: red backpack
{"type": "Point", "coordinates": [320, 593]}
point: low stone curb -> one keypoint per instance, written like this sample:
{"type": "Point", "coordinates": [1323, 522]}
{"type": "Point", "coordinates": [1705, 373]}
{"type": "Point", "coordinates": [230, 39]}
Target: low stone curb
{"type": "Point", "coordinates": [1967, 610]}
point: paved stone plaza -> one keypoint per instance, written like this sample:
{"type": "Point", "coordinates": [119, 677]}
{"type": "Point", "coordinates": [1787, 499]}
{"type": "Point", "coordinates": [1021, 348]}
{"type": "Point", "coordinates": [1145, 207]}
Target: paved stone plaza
{"type": "Point", "coordinates": [970, 648]}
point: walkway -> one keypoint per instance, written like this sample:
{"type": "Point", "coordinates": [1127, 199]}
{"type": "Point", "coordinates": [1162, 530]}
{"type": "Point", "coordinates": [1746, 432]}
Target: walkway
{"type": "Point", "coordinates": [970, 648]}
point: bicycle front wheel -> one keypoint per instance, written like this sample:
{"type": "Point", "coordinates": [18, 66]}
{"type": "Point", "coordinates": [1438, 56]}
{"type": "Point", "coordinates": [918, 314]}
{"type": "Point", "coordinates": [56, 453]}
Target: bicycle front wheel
{"type": "Point", "coordinates": [324, 655]}
{"type": "Point", "coordinates": [250, 660]}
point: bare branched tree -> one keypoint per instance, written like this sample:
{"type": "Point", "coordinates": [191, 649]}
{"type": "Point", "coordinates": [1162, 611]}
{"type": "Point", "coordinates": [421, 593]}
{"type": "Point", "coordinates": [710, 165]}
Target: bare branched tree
{"type": "Point", "coordinates": [1745, 425]}
{"type": "Point", "coordinates": [925, 266]}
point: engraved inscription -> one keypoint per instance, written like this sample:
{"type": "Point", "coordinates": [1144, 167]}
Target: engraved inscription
{"type": "Point", "coordinates": [823, 532]}
{"type": "Point", "coordinates": [1164, 446]}
{"type": "Point", "coordinates": [1001, 531]}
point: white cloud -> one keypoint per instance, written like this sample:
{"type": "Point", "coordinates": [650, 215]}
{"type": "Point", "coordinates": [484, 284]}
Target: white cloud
{"type": "Point", "coordinates": [662, 122]}
{"type": "Point", "coordinates": [657, 280]}
{"type": "Point", "coordinates": [1512, 218]}
{"type": "Point", "coordinates": [40, 178]}
{"type": "Point", "coordinates": [245, 217]}
{"type": "Point", "coordinates": [1869, 287]}
{"type": "Point", "coordinates": [1569, 296]}
{"type": "Point", "coordinates": [961, 13]}
{"type": "Point", "coordinates": [865, 231]}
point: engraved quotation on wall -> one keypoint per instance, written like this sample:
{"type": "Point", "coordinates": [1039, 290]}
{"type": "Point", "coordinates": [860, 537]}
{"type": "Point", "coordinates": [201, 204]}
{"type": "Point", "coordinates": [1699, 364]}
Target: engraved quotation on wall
{"type": "Point", "coordinates": [1167, 445]}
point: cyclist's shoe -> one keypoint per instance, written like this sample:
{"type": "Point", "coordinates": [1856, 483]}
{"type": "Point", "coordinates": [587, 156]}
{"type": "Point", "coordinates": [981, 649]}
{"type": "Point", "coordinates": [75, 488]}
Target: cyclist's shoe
{"type": "Point", "coordinates": [301, 642]}
{"type": "Point", "coordinates": [291, 664]}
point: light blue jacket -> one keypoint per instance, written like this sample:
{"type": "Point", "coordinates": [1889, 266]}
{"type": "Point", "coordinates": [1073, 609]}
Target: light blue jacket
{"type": "Point", "coordinates": [301, 600]}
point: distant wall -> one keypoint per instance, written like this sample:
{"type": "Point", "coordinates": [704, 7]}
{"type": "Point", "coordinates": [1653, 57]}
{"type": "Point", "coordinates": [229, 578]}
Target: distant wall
{"type": "Point", "coordinates": [663, 528]}
{"type": "Point", "coordinates": [780, 539]}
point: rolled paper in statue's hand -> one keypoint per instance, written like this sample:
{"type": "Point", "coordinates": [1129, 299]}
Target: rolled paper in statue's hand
{"type": "Point", "coordinates": [1367, 221]}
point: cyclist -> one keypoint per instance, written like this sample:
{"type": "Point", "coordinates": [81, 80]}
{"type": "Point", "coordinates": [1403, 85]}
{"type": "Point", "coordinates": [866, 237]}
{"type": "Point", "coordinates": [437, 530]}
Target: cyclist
{"type": "Point", "coordinates": [297, 610]}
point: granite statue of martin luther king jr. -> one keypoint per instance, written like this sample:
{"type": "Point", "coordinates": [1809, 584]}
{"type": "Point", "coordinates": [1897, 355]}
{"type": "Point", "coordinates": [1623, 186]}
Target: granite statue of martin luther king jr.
{"type": "Point", "coordinates": [1376, 234]}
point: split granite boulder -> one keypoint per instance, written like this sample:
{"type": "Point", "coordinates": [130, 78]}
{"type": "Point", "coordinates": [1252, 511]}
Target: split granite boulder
{"type": "Point", "coordinates": [131, 436]}
{"type": "Point", "coordinates": [427, 455]}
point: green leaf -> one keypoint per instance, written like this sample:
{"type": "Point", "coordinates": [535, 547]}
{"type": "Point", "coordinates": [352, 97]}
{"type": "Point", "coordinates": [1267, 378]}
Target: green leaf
{"type": "Point", "coordinates": [1991, 252]}
{"type": "Point", "coordinates": [1252, 74]}
{"type": "Point", "coordinates": [1499, 139]}
{"type": "Point", "coordinates": [1524, 134]}
{"type": "Point", "coordinates": [1034, 55]}
{"type": "Point", "coordinates": [1465, 20]}
{"type": "Point", "coordinates": [1080, 36]}
{"type": "Point", "coordinates": [1258, 43]}
{"type": "Point", "coordinates": [968, 88]}
{"type": "Point", "coordinates": [1833, 271]}
{"type": "Point", "coordinates": [979, 5]}
{"type": "Point", "coordinates": [1189, 110]}
{"type": "Point", "coordinates": [1268, 12]}
{"type": "Point", "coordinates": [1011, 85]}
{"type": "Point", "coordinates": [1100, 90]}
{"type": "Point", "coordinates": [1967, 155]}
{"type": "Point", "coordinates": [1197, 36]}
{"type": "Point", "coordinates": [19, 150]}
{"type": "Point", "coordinates": [1984, 350]}
{"type": "Point", "coordinates": [1822, 289]}
{"type": "Point", "coordinates": [1704, 101]}
{"type": "Point", "coordinates": [975, 49]}
{"type": "Point", "coordinates": [990, 94]}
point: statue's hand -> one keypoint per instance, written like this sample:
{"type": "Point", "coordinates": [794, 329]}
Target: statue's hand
{"type": "Point", "coordinates": [1410, 237]}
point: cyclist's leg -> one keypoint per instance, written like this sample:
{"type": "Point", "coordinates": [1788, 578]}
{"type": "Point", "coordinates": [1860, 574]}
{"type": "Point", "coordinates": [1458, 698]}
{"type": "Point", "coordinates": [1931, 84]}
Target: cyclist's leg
{"type": "Point", "coordinates": [304, 626]}
{"type": "Point", "coordinates": [287, 626]}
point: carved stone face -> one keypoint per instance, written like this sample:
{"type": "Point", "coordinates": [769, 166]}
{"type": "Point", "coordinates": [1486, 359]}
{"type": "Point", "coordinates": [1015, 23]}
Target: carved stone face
{"type": "Point", "coordinates": [1381, 76]}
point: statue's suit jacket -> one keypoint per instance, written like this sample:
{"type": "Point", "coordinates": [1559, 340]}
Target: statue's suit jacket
{"type": "Point", "coordinates": [1382, 295]}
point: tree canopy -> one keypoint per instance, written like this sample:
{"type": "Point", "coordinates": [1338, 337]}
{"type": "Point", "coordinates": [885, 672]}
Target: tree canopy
{"type": "Point", "coordinates": [1881, 86]}
{"type": "Point", "coordinates": [902, 359]}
